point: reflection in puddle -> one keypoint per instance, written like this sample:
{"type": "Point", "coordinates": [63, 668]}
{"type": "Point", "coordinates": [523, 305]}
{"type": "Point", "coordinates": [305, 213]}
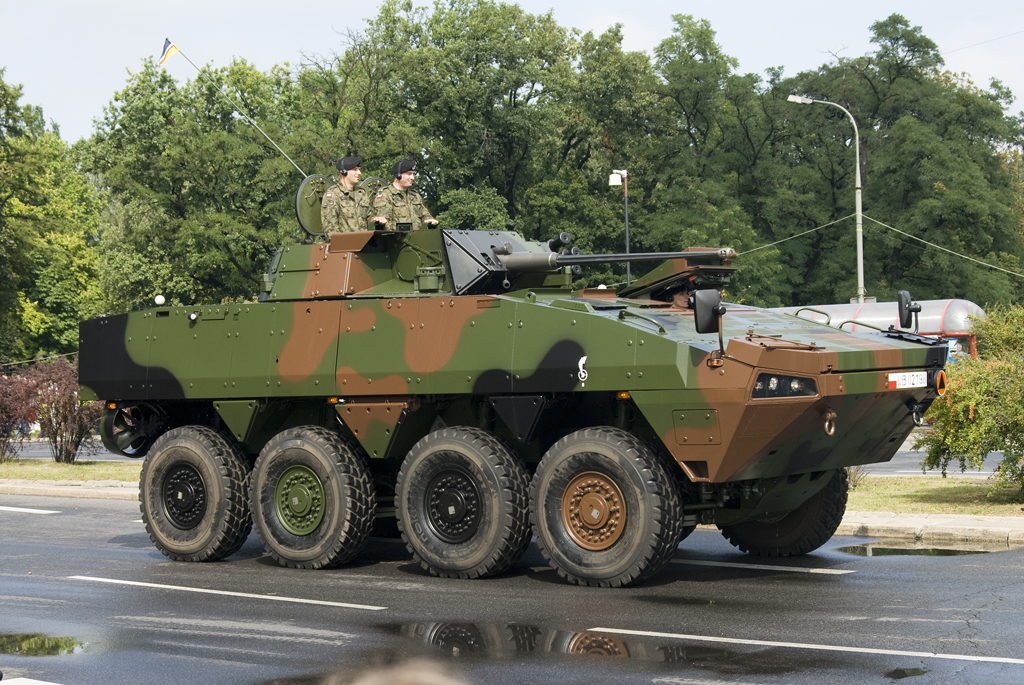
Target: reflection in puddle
{"type": "Point", "coordinates": [37, 644]}
{"type": "Point", "coordinates": [495, 640]}
{"type": "Point", "coordinates": [876, 550]}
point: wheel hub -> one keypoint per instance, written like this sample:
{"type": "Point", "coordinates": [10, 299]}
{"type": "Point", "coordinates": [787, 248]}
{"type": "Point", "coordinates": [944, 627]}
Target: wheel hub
{"type": "Point", "coordinates": [453, 505]}
{"type": "Point", "coordinates": [598, 645]}
{"type": "Point", "coordinates": [299, 500]}
{"type": "Point", "coordinates": [184, 496]}
{"type": "Point", "coordinates": [593, 511]}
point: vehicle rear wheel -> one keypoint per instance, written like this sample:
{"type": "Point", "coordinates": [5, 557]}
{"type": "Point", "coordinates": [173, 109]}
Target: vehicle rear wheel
{"type": "Point", "coordinates": [462, 504]}
{"type": "Point", "coordinates": [192, 495]}
{"type": "Point", "coordinates": [312, 498]}
{"type": "Point", "coordinates": [604, 508]}
{"type": "Point", "coordinates": [803, 530]}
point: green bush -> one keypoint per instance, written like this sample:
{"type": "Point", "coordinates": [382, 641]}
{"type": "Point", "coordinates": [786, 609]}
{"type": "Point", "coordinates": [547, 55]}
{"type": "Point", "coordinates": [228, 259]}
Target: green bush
{"type": "Point", "coordinates": [983, 408]}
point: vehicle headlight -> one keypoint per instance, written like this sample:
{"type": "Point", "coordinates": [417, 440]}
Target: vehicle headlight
{"type": "Point", "coordinates": [777, 385]}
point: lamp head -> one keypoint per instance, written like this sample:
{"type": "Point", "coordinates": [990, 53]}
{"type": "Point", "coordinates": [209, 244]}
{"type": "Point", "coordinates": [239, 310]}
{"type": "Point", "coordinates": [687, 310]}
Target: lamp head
{"type": "Point", "coordinates": [800, 99]}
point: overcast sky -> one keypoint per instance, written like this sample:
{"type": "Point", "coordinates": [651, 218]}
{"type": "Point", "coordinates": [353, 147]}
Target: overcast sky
{"type": "Point", "coordinates": [71, 58]}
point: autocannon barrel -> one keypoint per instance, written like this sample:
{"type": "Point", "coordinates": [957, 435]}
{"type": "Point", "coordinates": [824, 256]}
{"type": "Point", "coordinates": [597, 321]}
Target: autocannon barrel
{"type": "Point", "coordinates": [540, 261]}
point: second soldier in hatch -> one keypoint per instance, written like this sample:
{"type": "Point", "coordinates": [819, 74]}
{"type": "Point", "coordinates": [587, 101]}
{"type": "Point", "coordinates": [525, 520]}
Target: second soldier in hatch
{"type": "Point", "coordinates": [402, 208]}
{"type": "Point", "coordinates": [346, 207]}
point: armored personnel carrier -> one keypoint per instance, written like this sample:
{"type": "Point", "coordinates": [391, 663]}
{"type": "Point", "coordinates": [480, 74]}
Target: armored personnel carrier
{"type": "Point", "coordinates": [455, 381]}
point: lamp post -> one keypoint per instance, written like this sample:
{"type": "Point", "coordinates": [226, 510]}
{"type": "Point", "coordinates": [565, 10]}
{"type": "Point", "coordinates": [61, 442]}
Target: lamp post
{"type": "Point", "coordinates": [857, 203]}
{"type": "Point", "coordinates": [620, 177]}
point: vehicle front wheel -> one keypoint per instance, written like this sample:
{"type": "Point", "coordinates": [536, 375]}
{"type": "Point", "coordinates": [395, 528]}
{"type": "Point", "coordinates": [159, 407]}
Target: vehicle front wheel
{"type": "Point", "coordinates": [604, 508]}
{"type": "Point", "coordinates": [803, 530]}
{"type": "Point", "coordinates": [192, 495]}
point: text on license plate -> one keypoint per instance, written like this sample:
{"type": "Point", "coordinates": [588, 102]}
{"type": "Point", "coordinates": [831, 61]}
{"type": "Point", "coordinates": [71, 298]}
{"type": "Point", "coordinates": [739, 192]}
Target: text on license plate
{"type": "Point", "coordinates": [910, 379]}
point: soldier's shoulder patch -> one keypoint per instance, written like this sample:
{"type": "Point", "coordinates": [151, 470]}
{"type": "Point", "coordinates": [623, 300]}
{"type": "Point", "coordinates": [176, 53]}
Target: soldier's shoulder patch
{"type": "Point", "coordinates": [327, 195]}
{"type": "Point", "coordinates": [380, 195]}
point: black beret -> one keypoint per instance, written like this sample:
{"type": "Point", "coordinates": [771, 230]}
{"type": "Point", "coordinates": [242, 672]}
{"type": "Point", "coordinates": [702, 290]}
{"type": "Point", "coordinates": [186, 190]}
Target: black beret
{"type": "Point", "coordinates": [402, 166]}
{"type": "Point", "coordinates": [349, 163]}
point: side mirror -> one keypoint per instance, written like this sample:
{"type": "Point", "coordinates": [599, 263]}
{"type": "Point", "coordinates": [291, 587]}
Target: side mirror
{"type": "Point", "coordinates": [907, 308]}
{"type": "Point", "coordinates": [708, 309]}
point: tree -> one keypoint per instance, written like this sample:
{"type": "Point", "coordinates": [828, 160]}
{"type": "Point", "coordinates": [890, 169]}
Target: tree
{"type": "Point", "coordinates": [16, 395]}
{"type": "Point", "coordinates": [48, 224]}
{"type": "Point", "coordinates": [20, 166]}
{"type": "Point", "coordinates": [211, 195]}
{"type": "Point", "coordinates": [983, 408]}
{"type": "Point", "coordinates": [930, 146]}
{"type": "Point", "coordinates": [67, 421]}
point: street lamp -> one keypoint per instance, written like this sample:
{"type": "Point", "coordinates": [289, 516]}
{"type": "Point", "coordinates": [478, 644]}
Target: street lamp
{"type": "Point", "coordinates": [619, 177]}
{"type": "Point", "coordinates": [860, 224]}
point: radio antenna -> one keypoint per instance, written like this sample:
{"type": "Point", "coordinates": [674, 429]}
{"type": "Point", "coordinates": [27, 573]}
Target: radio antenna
{"type": "Point", "coordinates": [169, 44]}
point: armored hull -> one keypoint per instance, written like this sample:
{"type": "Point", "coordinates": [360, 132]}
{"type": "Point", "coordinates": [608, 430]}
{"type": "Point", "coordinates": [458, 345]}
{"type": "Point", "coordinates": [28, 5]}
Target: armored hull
{"type": "Point", "coordinates": [452, 368]}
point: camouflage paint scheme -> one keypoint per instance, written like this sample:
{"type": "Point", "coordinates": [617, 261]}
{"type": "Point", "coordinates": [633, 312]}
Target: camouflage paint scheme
{"type": "Point", "coordinates": [397, 334]}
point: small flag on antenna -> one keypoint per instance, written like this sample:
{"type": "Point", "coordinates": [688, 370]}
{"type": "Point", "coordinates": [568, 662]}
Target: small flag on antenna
{"type": "Point", "coordinates": [169, 50]}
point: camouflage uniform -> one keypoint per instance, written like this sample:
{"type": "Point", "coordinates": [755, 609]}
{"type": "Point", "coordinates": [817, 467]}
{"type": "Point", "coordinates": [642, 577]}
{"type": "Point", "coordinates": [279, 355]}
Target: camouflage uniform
{"type": "Point", "coordinates": [345, 210]}
{"type": "Point", "coordinates": [400, 207]}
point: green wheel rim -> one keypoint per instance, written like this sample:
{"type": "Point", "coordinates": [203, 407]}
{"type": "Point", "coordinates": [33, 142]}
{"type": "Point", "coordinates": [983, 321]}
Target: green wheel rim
{"type": "Point", "coordinates": [299, 500]}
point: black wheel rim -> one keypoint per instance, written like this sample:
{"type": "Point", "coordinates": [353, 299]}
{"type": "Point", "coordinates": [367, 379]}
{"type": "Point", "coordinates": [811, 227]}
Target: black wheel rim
{"type": "Point", "coordinates": [458, 639]}
{"type": "Point", "coordinates": [184, 496]}
{"type": "Point", "coordinates": [453, 505]}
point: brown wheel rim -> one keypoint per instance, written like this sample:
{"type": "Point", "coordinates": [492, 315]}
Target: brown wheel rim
{"type": "Point", "coordinates": [600, 645]}
{"type": "Point", "coordinates": [593, 511]}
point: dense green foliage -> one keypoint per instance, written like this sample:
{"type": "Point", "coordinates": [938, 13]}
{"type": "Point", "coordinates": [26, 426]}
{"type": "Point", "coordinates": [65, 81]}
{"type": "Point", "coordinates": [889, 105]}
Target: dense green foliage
{"type": "Point", "coordinates": [516, 122]}
{"type": "Point", "coordinates": [983, 408]}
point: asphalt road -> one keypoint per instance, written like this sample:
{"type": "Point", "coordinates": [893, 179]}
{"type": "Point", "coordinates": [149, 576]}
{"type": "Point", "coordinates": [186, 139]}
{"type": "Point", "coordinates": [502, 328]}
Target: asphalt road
{"type": "Point", "coordinates": [87, 578]}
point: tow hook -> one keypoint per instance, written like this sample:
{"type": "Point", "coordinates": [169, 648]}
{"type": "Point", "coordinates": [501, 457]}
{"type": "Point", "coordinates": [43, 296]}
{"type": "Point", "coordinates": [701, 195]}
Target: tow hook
{"type": "Point", "coordinates": [830, 422]}
{"type": "Point", "coordinates": [917, 411]}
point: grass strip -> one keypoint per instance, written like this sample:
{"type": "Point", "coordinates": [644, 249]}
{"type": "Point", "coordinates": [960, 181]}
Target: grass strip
{"type": "Point", "coordinates": [912, 495]}
{"type": "Point", "coordinates": [46, 469]}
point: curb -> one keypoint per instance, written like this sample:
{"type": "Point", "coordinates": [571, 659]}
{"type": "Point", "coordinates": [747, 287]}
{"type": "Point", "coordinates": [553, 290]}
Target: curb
{"type": "Point", "coordinates": [87, 489]}
{"type": "Point", "coordinates": [935, 528]}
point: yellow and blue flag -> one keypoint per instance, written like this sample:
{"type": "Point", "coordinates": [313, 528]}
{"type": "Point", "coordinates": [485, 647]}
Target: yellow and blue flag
{"type": "Point", "coordinates": [169, 50]}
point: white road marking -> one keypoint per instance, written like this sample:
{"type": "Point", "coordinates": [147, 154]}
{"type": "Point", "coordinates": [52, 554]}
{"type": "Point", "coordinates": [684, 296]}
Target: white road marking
{"type": "Point", "coordinates": [765, 567]}
{"type": "Point", "coordinates": [22, 510]}
{"type": "Point", "coordinates": [273, 598]}
{"type": "Point", "coordinates": [27, 681]}
{"type": "Point", "coordinates": [805, 645]}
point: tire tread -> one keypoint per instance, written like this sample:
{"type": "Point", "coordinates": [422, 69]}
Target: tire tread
{"type": "Point", "coordinates": [359, 496]}
{"type": "Point", "coordinates": [514, 481]}
{"type": "Point", "coordinates": [667, 509]}
{"type": "Point", "coordinates": [831, 505]}
{"type": "Point", "coordinates": [233, 468]}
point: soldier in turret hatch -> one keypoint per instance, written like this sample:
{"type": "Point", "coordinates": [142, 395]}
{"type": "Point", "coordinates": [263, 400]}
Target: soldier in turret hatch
{"type": "Point", "coordinates": [400, 207]}
{"type": "Point", "coordinates": [346, 207]}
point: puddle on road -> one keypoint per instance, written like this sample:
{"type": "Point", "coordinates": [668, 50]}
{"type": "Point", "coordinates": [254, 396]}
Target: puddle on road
{"type": "Point", "coordinates": [37, 644]}
{"type": "Point", "coordinates": [919, 550]}
{"type": "Point", "coordinates": [498, 641]}
{"type": "Point", "coordinates": [901, 673]}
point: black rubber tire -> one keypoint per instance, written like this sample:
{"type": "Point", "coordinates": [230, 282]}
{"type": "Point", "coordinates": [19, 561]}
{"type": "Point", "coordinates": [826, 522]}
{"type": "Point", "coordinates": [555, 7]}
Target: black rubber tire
{"type": "Point", "coordinates": [803, 530]}
{"type": "Point", "coordinates": [348, 506]}
{"type": "Point", "coordinates": [653, 509]}
{"type": "Point", "coordinates": [496, 527]}
{"type": "Point", "coordinates": [217, 523]}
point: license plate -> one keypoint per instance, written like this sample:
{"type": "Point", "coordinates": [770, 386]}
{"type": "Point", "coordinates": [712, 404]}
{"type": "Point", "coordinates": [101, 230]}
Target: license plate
{"type": "Point", "coordinates": [910, 379]}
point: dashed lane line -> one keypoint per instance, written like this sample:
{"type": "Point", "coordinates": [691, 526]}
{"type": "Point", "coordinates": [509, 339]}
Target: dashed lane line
{"type": "Point", "coordinates": [765, 567]}
{"type": "Point", "coordinates": [805, 645]}
{"type": "Point", "coordinates": [226, 593]}
{"type": "Point", "coordinates": [22, 510]}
